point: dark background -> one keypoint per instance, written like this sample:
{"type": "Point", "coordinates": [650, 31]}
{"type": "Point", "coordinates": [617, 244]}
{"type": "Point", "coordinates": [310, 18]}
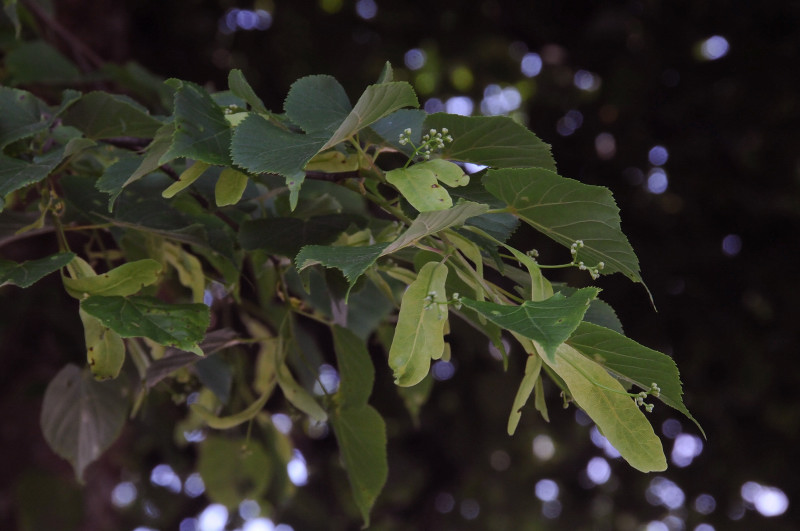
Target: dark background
{"type": "Point", "coordinates": [732, 130]}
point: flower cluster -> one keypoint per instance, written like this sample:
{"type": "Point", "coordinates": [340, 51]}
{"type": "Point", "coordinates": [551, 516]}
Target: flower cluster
{"type": "Point", "coordinates": [655, 390]}
{"type": "Point", "coordinates": [593, 271]}
{"type": "Point", "coordinates": [432, 141]}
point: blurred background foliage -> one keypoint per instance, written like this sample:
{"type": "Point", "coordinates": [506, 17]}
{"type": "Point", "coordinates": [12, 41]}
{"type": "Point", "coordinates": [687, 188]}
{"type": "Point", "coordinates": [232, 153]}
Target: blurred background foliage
{"type": "Point", "coordinates": [713, 216]}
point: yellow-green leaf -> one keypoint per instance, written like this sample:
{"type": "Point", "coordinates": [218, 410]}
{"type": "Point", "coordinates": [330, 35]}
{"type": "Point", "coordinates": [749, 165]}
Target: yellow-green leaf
{"type": "Point", "coordinates": [122, 281]}
{"type": "Point", "coordinates": [189, 175]}
{"type": "Point", "coordinates": [105, 349]}
{"type": "Point", "coordinates": [333, 162]}
{"type": "Point", "coordinates": [230, 187]}
{"type": "Point", "coordinates": [298, 396]}
{"type": "Point", "coordinates": [617, 416]}
{"type": "Point", "coordinates": [420, 188]}
{"type": "Point", "coordinates": [230, 421]}
{"type": "Point", "coordinates": [532, 369]}
{"type": "Point", "coordinates": [419, 335]}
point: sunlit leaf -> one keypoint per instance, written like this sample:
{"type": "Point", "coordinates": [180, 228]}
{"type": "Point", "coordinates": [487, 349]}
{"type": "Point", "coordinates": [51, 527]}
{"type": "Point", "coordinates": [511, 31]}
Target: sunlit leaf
{"type": "Point", "coordinates": [230, 187]}
{"type": "Point", "coordinates": [566, 211]}
{"type": "Point", "coordinates": [428, 223]}
{"type": "Point", "coordinates": [496, 141]}
{"type": "Point", "coordinates": [420, 188]}
{"type": "Point", "coordinates": [617, 417]}
{"type": "Point", "coordinates": [82, 417]}
{"type": "Point", "coordinates": [549, 322]}
{"type": "Point", "coordinates": [376, 102]}
{"type": "Point", "coordinates": [123, 280]}
{"type": "Point", "coordinates": [25, 274]}
{"type": "Point", "coordinates": [632, 362]}
{"type": "Point", "coordinates": [174, 325]}
{"type": "Point", "coordinates": [361, 434]}
{"type": "Point", "coordinates": [234, 469]}
{"type": "Point", "coordinates": [189, 175]}
{"type": "Point", "coordinates": [419, 334]}
{"type": "Point", "coordinates": [105, 349]}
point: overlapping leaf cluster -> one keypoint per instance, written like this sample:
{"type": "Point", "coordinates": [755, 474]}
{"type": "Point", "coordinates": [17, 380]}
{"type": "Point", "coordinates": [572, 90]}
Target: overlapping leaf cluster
{"type": "Point", "coordinates": [320, 213]}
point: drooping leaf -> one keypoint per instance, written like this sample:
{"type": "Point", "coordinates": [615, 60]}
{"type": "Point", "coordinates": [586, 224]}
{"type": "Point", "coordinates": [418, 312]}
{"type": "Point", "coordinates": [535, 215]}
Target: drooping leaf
{"type": "Point", "coordinates": [174, 325]}
{"type": "Point", "coordinates": [230, 187]}
{"type": "Point", "coordinates": [25, 274]}
{"type": "Point", "coordinates": [123, 280]}
{"type": "Point", "coordinates": [428, 223]}
{"type": "Point", "coordinates": [317, 103]}
{"type": "Point", "coordinates": [105, 350]}
{"type": "Point", "coordinates": [549, 322]}
{"type": "Point", "coordinates": [234, 469]}
{"type": "Point", "coordinates": [260, 146]}
{"type": "Point", "coordinates": [298, 396]}
{"type": "Point", "coordinates": [23, 115]}
{"type": "Point", "coordinates": [231, 421]}
{"type": "Point", "coordinates": [241, 88]}
{"type": "Point", "coordinates": [361, 434]}
{"type": "Point", "coordinates": [189, 269]}
{"type": "Point", "coordinates": [356, 372]}
{"type": "Point", "coordinates": [82, 417]}
{"type": "Point", "coordinates": [286, 236]}
{"type": "Point", "coordinates": [566, 211]}
{"type": "Point", "coordinates": [10, 9]}
{"type": "Point", "coordinates": [617, 416]}
{"type": "Point", "coordinates": [175, 359]}
{"type": "Point", "coordinates": [101, 115]}
{"type": "Point", "coordinates": [201, 130]}
{"type": "Point", "coordinates": [419, 334]}
{"type": "Point", "coordinates": [376, 102]}
{"type": "Point", "coordinates": [156, 153]}
{"type": "Point", "coordinates": [189, 175]}
{"type": "Point", "coordinates": [632, 362]}
{"type": "Point", "coordinates": [533, 368]}
{"type": "Point", "coordinates": [496, 141]}
{"type": "Point", "coordinates": [352, 261]}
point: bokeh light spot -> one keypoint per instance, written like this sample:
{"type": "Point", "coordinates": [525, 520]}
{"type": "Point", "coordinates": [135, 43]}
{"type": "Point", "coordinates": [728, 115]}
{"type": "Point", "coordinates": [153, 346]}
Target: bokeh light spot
{"type": "Point", "coordinates": [123, 494]}
{"type": "Point", "coordinates": [531, 64]}
{"type": "Point", "coordinates": [732, 244]}
{"type": "Point", "coordinates": [543, 447]}
{"type": "Point", "coordinates": [658, 155]}
{"type": "Point", "coordinates": [657, 181]}
{"type": "Point", "coordinates": [366, 9]}
{"type": "Point", "coordinates": [414, 59]}
{"type": "Point", "coordinates": [714, 48]}
{"type": "Point", "coordinates": [546, 490]}
{"type": "Point", "coordinates": [598, 470]}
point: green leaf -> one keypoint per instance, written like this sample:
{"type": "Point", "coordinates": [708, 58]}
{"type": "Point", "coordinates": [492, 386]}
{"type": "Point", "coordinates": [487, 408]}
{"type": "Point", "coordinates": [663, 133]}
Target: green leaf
{"type": "Point", "coordinates": [38, 63]}
{"type": "Point", "coordinates": [242, 89]}
{"type": "Point", "coordinates": [298, 396]}
{"type": "Point", "coordinates": [632, 362]}
{"type": "Point", "coordinates": [82, 417]}
{"type": "Point", "coordinates": [105, 350]}
{"type": "Point", "coordinates": [25, 274]}
{"type": "Point", "coordinates": [390, 128]}
{"type": "Point", "coordinates": [234, 469]}
{"type": "Point", "coordinates": [102, 115]}
{"type": "Point", "coordinates": [156, 153]}
{"type": "Point", "coordinates": [23, 115]}
{"type": "Point", "coordinates": [549, 322]}
{"type": "Point", "coordinates": [496, 141]}
{"type": "Point", "coordinates": [123, 280]}
{"type": "Point", "coordinates": [420, 188]}
{"type": "Point", "coordinates": [387, 73]}
{"type": "Point", "coordinates": [230, 187]}
{"type": "Point", "coordinates": [286, 236]}
{"type": "Point", "coordinates": [428, 223]}
{"type": "Point", "coordinates": [533, 367]}
{"type": "Point", "coordinates": [419, 334]}
{"type": "Point", "coordinates": [566, 211]}
{"type": "Point", "coordinates": [376, 102]}
{"type": "Point", "coordinates": [333, 162]}
{"type": "Point", "coordinates": [10, 9]}
{"type": "Point", "coordinates": [16, 174]}
{"type": "Point", "coordinates": [317, 104]}
{"type": "Point", "coordinates": [361, 434]}
{"type": "Point", "coordinates": [356, 372]}
{"type": "Point", "coordinates": [189, 175]}
{"type": "Point", "coordinates": [174, 325]}
{"type": "Point", "coordinates": [617, 416]}
{"type": "Point", "coordinates": [201, 130]}
{"type": "Point", "coordinates": [352, 261]}
{"type": "Point", "coordinates": [260, 146]}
